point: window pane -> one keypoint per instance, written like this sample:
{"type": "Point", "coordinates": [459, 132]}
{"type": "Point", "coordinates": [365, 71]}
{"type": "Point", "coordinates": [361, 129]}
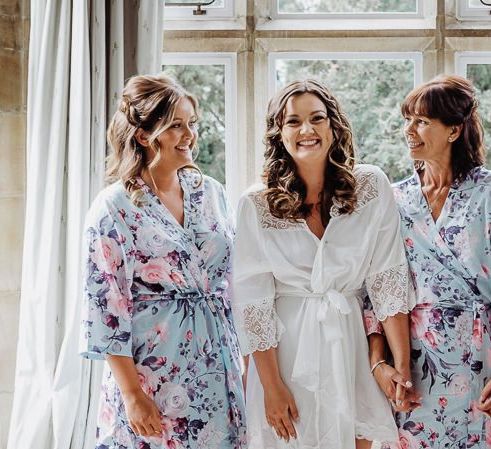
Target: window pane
{"type": "Point", "coordinates": [346, 6]}
{"type": "Point", "coordinates": [476, 4]}
{"type": "Point", "coordinates": [207, 83]}
{"type": "Point", "coordinates": [480, 75]}
{"type": "Point", "coordinates": [370, 92]}
{"type": "Point", "coordinates": [216, 4]}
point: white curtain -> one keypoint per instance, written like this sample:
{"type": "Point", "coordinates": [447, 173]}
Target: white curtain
{"type": "Point", "coordinates": [80, 54]}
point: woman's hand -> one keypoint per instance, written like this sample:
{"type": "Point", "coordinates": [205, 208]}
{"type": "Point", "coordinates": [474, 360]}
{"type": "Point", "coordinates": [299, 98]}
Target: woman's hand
{"type": "Point", "coordinates": [143, 415]}
{"type": "Point", "coordinates": [396, 387]}
{"type": "Point", "coordinates": [485, 399]}
{"type": "Point", "coordinates": [281, 410]}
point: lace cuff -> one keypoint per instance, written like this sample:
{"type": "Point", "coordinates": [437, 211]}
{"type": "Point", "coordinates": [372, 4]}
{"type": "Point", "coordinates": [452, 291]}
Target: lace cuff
{"type": "Point", "coordinates": [260, 327]}
{"type": "Point", "coordinates": [391, 292]}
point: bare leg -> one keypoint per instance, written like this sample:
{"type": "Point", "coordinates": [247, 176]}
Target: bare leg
{"type": "Point", "coordinates": [363, 444]}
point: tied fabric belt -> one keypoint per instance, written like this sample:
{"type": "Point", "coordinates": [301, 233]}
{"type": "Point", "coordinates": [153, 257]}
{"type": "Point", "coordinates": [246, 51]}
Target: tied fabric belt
{"type": "Point", "coordinates": [320, 344]}
{"type": "Point", "coordinates": [215, 300]}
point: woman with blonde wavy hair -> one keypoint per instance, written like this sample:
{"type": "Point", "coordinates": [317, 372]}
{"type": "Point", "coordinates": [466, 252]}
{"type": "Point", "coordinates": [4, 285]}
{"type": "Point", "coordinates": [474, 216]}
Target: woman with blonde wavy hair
{"type": "Point", "coordinates": [309, 242]}
{"type": "Point", "coordinates": [156, 283]}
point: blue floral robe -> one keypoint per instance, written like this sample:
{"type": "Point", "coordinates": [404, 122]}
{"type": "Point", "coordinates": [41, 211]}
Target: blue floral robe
{"type": "Point", "coordinates": [450, 261]}
{"type": "Point", "coordinates": [158, 292]}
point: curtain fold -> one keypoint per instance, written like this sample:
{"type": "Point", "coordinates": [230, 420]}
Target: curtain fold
{"type": "Point", "coordinates": [80, 54]}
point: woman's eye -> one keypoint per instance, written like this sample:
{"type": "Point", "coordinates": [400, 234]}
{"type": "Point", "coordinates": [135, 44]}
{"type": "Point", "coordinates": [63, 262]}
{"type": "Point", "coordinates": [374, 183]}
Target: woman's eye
{"type": "Point", "coordinates": [193, 124]}
{"type": "Point", "coordinates": [176, 125]}
{"type": "Point", "coordinates": [318, 118]}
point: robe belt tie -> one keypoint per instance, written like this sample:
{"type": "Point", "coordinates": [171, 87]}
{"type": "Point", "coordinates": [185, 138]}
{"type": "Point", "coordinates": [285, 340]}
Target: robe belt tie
{"type": "Point", "coordinates": [320, 345]}
{"type": "Point", "coordinates": [215, 300]}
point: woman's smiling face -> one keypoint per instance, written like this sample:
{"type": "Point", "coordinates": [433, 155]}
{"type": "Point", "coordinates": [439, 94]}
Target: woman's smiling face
{"type": "Point", "coordinates": [306, 132]}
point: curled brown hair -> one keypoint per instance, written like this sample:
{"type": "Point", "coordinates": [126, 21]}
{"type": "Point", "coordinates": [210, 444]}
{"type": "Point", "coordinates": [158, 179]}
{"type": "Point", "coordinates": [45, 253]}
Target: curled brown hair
{"type": "Point", "coordinates": [148, 102]}
{"type": "Point", "coordinates": [452, 100]}
{"type": "Point", "coordinates": [285, 190]}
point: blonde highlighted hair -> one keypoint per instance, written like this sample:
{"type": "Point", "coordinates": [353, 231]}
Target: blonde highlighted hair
{"type": "Point", "coordinates": [285, 190]}
{"type": "Point", "coordinates": [147, 103]}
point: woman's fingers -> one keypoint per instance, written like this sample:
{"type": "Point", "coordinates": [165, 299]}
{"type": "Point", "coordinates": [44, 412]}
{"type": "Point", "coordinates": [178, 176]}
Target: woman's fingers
{"type": "Point", "coordinates": [485, 393]}
{"type": "Point", "coordinates": [293, 410]}
{"type": "Point", "coordinates": [400, 394]}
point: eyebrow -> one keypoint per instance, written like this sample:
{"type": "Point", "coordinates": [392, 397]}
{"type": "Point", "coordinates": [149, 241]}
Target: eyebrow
{"type": "Point", "coordinates": [190, 118]}
{"type": "Point", "coordinates": [312, 113]}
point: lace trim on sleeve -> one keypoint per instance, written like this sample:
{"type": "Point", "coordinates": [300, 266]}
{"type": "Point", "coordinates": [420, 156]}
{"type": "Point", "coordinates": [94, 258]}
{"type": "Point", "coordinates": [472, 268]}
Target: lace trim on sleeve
{"type": "Point", "coordinates": [261, 325]}
{"type": "Point", "coordinates": [391, 292]}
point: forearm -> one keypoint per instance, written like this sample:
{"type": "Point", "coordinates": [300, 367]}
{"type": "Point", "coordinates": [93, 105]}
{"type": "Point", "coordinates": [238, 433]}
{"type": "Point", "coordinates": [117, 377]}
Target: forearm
{"type": "Point", "coordinates": [376, 344]}
{"type": "Point", "coordinates": [125, 373]}
{"type": "Point", "coordinates": [396, 330]}
{"type": "Point", "coordinates": [267, 367]}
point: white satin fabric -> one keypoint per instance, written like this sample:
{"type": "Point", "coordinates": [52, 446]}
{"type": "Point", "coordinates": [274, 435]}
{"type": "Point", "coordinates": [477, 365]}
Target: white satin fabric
{"type": "Point", "coordinates": [302, 295]}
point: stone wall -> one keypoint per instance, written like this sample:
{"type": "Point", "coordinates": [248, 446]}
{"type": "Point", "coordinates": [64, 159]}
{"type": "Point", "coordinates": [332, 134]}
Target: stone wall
{"type": "Point", "coordinates": [14, 37]}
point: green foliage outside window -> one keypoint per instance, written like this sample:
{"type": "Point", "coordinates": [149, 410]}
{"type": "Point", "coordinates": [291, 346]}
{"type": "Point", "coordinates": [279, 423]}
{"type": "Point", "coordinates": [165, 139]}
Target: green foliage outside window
{"type": "Point", "coordinates": [346, 6]}
{"type": "Point", "coordinates": [207, 83]}
{"type": "Point", "coordinates": [370, 93]}
{"type": "Point", "coordinates": [480, 75]}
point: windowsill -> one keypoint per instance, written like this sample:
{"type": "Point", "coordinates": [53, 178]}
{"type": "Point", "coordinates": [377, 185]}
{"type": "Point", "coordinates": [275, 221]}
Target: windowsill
{"type": "Point", "coordinates": [205, 24]}
{"type": "Point", "coordinates": [347, 24]}
{"type": "Point", "coordinates": [469, 24]}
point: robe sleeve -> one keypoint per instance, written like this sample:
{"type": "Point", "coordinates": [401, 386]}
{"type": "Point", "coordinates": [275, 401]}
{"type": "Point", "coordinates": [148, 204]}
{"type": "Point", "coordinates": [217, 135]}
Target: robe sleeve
{"type": "Point", "coordinates": [388, 281]}
{"type": "Point", "coordinates": [258, 326]}
{"type": "Point", "coordinates": [107, 300]}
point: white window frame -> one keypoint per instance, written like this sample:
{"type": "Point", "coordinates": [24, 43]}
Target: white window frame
{"type": "Point", "coordinates": [271, 19]}
{"type": "Point", "coordinates": [465, 58]}
{"type": "Point", "coordinates": [212, 12]}
{"type": "Point", "coordinates": [229, 61]}
{"type": "Point", "coordinates": [465, 12]}
{"type": "Point", "coordinates": [230, 17]}
{"type": "Point", "coordinates": [416, 57]}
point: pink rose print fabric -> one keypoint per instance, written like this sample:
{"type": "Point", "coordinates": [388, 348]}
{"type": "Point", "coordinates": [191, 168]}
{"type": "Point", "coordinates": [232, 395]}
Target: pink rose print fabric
{"type": "Point", "coordinates": [450, 262]}
{"type": "Point", "coordinates": [159, 292]}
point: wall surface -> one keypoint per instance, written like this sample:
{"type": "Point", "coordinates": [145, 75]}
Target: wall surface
{"type": "Point", "coordinates": [14, 36]}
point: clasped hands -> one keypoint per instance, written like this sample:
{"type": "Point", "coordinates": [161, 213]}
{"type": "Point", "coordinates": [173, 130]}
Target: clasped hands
{"type": "Point", "coordinates": [397, 387]}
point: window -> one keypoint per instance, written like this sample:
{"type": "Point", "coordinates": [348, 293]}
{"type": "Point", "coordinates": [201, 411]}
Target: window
{"type": "Point", "coordinates": [219, 8]}
{"type": "Point", "coordinates": [345, 8]}
{"type": "Point", "coordinates": [370, 87]}
{"type": "Point", "coordinates": [211, 77]}
{"type": "Point", "coordinates": [476, 66]}
{"type": "Point", "coordinates": [473, 10]}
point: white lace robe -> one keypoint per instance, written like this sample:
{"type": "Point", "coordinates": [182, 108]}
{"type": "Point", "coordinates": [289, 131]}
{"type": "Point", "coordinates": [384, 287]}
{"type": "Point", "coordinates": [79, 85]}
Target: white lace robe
{"type": "Point", "coordinates": [302, 295]}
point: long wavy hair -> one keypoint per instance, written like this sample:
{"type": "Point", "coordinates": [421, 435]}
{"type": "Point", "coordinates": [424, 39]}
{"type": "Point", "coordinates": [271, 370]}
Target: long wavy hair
{"type": "Point", "coordinates": [452, 100]}
{"type": "Point", "coordinates": [285, 190]}
{"type": "Point", "coordinates": [148, 102]}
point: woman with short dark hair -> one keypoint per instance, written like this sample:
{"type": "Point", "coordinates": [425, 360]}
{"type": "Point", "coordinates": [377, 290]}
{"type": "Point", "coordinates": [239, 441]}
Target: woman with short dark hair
{"type": "Point", "coordinates": [445, 208]}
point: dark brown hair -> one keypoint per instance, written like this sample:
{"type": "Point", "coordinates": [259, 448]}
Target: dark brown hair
{"type": "Point", "coordinates": [452, 100]}
{"type": "Point", "coordinates": [285, 190]}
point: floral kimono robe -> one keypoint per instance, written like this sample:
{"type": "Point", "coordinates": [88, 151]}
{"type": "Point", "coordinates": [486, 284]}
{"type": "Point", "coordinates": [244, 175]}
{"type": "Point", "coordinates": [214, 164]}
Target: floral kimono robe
{"type": "Point", "coordinates": [450, 261]}
{"type": "Point", "coordinates": [158, 292]}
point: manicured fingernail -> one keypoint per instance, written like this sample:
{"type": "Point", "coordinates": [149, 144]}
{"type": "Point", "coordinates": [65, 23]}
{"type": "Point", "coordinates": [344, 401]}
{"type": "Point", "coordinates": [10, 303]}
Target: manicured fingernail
{"type": "Point", "coordinates": [409, 384]}
{"type": "Point", "coordinates": [398, 402]}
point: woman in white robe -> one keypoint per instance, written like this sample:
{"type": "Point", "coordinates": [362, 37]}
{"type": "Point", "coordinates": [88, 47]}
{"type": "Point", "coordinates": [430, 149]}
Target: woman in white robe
{"type": "Point", "coordinates": [309, 244]}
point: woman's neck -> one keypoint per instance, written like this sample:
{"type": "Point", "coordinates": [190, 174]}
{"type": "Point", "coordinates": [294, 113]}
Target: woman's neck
{"type": "Point", "coordinates": [161, 180]}
{"type": "Point", "coordinates": [436, 175]}
{"type": "Point", "coordinates": [313, 179]}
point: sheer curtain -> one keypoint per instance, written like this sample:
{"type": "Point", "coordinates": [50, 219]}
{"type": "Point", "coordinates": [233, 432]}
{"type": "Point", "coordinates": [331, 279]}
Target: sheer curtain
{"type": "Point", "coordinates": [80, 54]}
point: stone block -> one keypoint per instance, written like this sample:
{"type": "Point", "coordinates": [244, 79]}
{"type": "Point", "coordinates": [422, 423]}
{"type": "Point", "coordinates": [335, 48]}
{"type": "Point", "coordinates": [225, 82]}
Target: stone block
{"type": "Point", "coordinates": [11, 98]}
{"type": "Point", "coordinates": [11, 237]}
{"type": "Point", "coordinates": [13, 153]}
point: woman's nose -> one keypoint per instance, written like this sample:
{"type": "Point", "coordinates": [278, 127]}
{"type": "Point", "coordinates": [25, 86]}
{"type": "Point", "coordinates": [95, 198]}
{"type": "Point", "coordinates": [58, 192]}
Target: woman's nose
{"type": "Point", "coordinates": [306, 128]}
